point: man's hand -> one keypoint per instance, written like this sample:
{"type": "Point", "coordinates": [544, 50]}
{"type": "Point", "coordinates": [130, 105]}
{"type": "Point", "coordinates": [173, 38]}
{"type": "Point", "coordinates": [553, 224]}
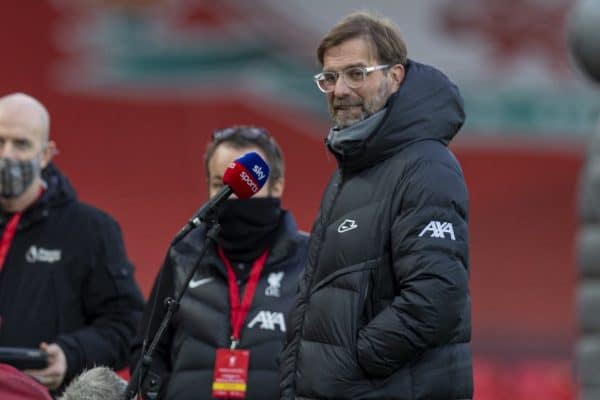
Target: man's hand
{"type": "Point", "coordinates": [53, 375]}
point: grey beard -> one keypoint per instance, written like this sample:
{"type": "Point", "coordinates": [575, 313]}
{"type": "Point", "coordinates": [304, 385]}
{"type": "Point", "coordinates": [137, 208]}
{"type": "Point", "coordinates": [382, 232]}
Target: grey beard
{"type": "Point", "coordinates": [357, 132]}
{"type": "Point", "coordinates": [368, 108]}
{"type": "Point", "coordinates": [340, 123]}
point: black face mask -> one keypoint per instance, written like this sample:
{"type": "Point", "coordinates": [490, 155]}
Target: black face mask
{"type": "Point", "coordinates": [16, 176]}
{"type": "Point", "coordinates": [248, 227]}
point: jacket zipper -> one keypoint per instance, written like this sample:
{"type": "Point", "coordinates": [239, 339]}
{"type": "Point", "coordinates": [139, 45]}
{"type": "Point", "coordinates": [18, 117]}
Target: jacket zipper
{"type": "Point", "coordinates": [324, 223]}
{"type": "Point", "coordinates": [325, 220]}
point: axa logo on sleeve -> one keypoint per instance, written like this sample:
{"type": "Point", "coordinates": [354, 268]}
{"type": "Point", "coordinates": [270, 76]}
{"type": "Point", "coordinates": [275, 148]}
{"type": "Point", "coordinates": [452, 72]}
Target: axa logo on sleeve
{"type": "Point", "coordinates": [439, 230]}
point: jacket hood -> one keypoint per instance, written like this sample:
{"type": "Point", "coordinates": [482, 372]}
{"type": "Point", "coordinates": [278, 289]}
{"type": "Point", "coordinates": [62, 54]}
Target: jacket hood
{"type": "Point", "coordinates": [58, 188]}
{"type": "Point", "coordinates": [427, 106]}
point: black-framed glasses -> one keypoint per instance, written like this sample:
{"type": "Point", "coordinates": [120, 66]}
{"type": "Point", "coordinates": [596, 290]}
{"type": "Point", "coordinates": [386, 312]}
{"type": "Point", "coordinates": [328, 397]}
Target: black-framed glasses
{"type": "Point", "coordinates": [244, 131]}
{"type": "Point", "coordinates": [354, 77]}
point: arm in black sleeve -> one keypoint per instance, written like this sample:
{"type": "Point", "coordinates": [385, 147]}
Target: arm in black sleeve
{"type": "Point", "coordinates": [429, 247]}
{"type": "Point", "coordinates": [112, 305]}
{"type": "Point", "coordinates": [295, 321]}
{"type": "Point", "coordinates": [288, 356]}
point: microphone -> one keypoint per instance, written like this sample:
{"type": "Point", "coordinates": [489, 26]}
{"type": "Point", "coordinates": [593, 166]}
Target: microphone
{"type": "Point", "coordinates": [244, 177]}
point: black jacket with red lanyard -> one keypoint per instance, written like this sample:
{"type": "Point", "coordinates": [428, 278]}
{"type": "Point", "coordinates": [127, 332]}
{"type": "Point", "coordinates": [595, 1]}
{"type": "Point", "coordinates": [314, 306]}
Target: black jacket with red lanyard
{"type": "Point", "coordinates": [185, 358]}
{"type": "Point", "coordinates": [66, 279]}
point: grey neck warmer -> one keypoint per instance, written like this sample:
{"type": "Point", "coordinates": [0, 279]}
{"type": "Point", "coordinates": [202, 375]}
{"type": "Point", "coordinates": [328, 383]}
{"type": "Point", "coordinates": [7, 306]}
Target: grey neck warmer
{"type": "Point", "coordinates": [358, 132]}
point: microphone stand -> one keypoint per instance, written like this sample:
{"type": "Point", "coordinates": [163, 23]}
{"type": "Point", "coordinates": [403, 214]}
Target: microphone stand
{"type": "Point", "coordinates": [204, 214]}
{"type": "Point", "coordinates": [143, 364]}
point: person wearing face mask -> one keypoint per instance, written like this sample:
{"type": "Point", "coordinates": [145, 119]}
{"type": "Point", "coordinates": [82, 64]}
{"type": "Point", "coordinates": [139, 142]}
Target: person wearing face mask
{"type": "Point", "coordinates": [259, 257]}
{"type": "Point", "coordinates": [66, 285]}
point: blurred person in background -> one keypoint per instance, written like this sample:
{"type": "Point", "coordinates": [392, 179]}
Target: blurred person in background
{"type": "Point", "coordinates": [384, 305]}
{"type": "Point", "coordinates": [258, 244]}
{"type": "Point", "coordinates": [588, 291]}
{"type": "Point", "coordinates": [584, 44]}
{"type": "Point", "coordinates": [66, 285]}
{"type": "Point", "coordinates": [16, 385]}
{"type": "Point", "coordinates": [99, 383]}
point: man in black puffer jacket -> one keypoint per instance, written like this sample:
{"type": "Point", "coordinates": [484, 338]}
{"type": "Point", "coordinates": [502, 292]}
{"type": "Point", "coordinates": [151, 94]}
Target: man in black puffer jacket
{"type": "Point", "coordinates": [384, 306]}
{"type": "Point", "coordinates": [185, 362]}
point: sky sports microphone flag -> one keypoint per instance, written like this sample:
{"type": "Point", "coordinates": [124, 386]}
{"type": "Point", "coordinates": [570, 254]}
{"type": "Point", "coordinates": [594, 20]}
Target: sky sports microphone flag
{"type": "Point", "coordinates": [246, 175]}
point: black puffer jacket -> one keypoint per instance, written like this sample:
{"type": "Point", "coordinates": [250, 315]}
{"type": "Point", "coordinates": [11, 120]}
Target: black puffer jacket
{"type": "Point", "coordinates": [67, 279]}
{"type": "Point", "coordinates": [384, 308]}
{"type": "Point", "coordinates": [185, 358]}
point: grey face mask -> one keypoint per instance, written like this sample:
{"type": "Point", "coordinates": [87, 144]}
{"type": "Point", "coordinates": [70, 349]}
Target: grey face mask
{"type": "Point", "coordinates": [16, 176]}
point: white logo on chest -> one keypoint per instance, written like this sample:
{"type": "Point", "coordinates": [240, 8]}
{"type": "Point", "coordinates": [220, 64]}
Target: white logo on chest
{"type": "Point", "coordinates": [195, 283]}
{"type": "Point", "coordinates": [269, 321]}
{"type": "Point", "coordinates": [347, 225]}
{"type": "Point", "coordinates": [274, 288]}
{"type": "Point", "coordinates": [39, 254]}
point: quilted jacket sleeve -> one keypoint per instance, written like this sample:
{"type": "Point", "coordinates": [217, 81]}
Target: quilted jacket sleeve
{"type": "Point", "coordinates": [429, 249]}
{"type": "Point", "coordinates": [112, 305]}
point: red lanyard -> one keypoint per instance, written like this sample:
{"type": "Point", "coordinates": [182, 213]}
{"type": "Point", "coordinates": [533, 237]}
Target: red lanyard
{"type": "Point", "coordinates": [239, 311]}
{"type": "Point", "coordinates": [9, 231]}
{"type": "Point", "coordinates": [7, 236]}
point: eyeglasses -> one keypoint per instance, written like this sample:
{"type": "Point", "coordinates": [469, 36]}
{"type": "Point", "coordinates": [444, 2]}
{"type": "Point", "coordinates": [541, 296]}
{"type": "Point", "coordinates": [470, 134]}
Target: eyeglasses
{"type": "Point", "coordinates": [354, 77]}
{"type": "Point", "coordinates": [247, 132]}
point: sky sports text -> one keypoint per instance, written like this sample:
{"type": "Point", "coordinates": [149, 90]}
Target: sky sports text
{"type": "Point", "coordinates": [259, 172]}
{"type": "Point", "coordinates": [249, 181]}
